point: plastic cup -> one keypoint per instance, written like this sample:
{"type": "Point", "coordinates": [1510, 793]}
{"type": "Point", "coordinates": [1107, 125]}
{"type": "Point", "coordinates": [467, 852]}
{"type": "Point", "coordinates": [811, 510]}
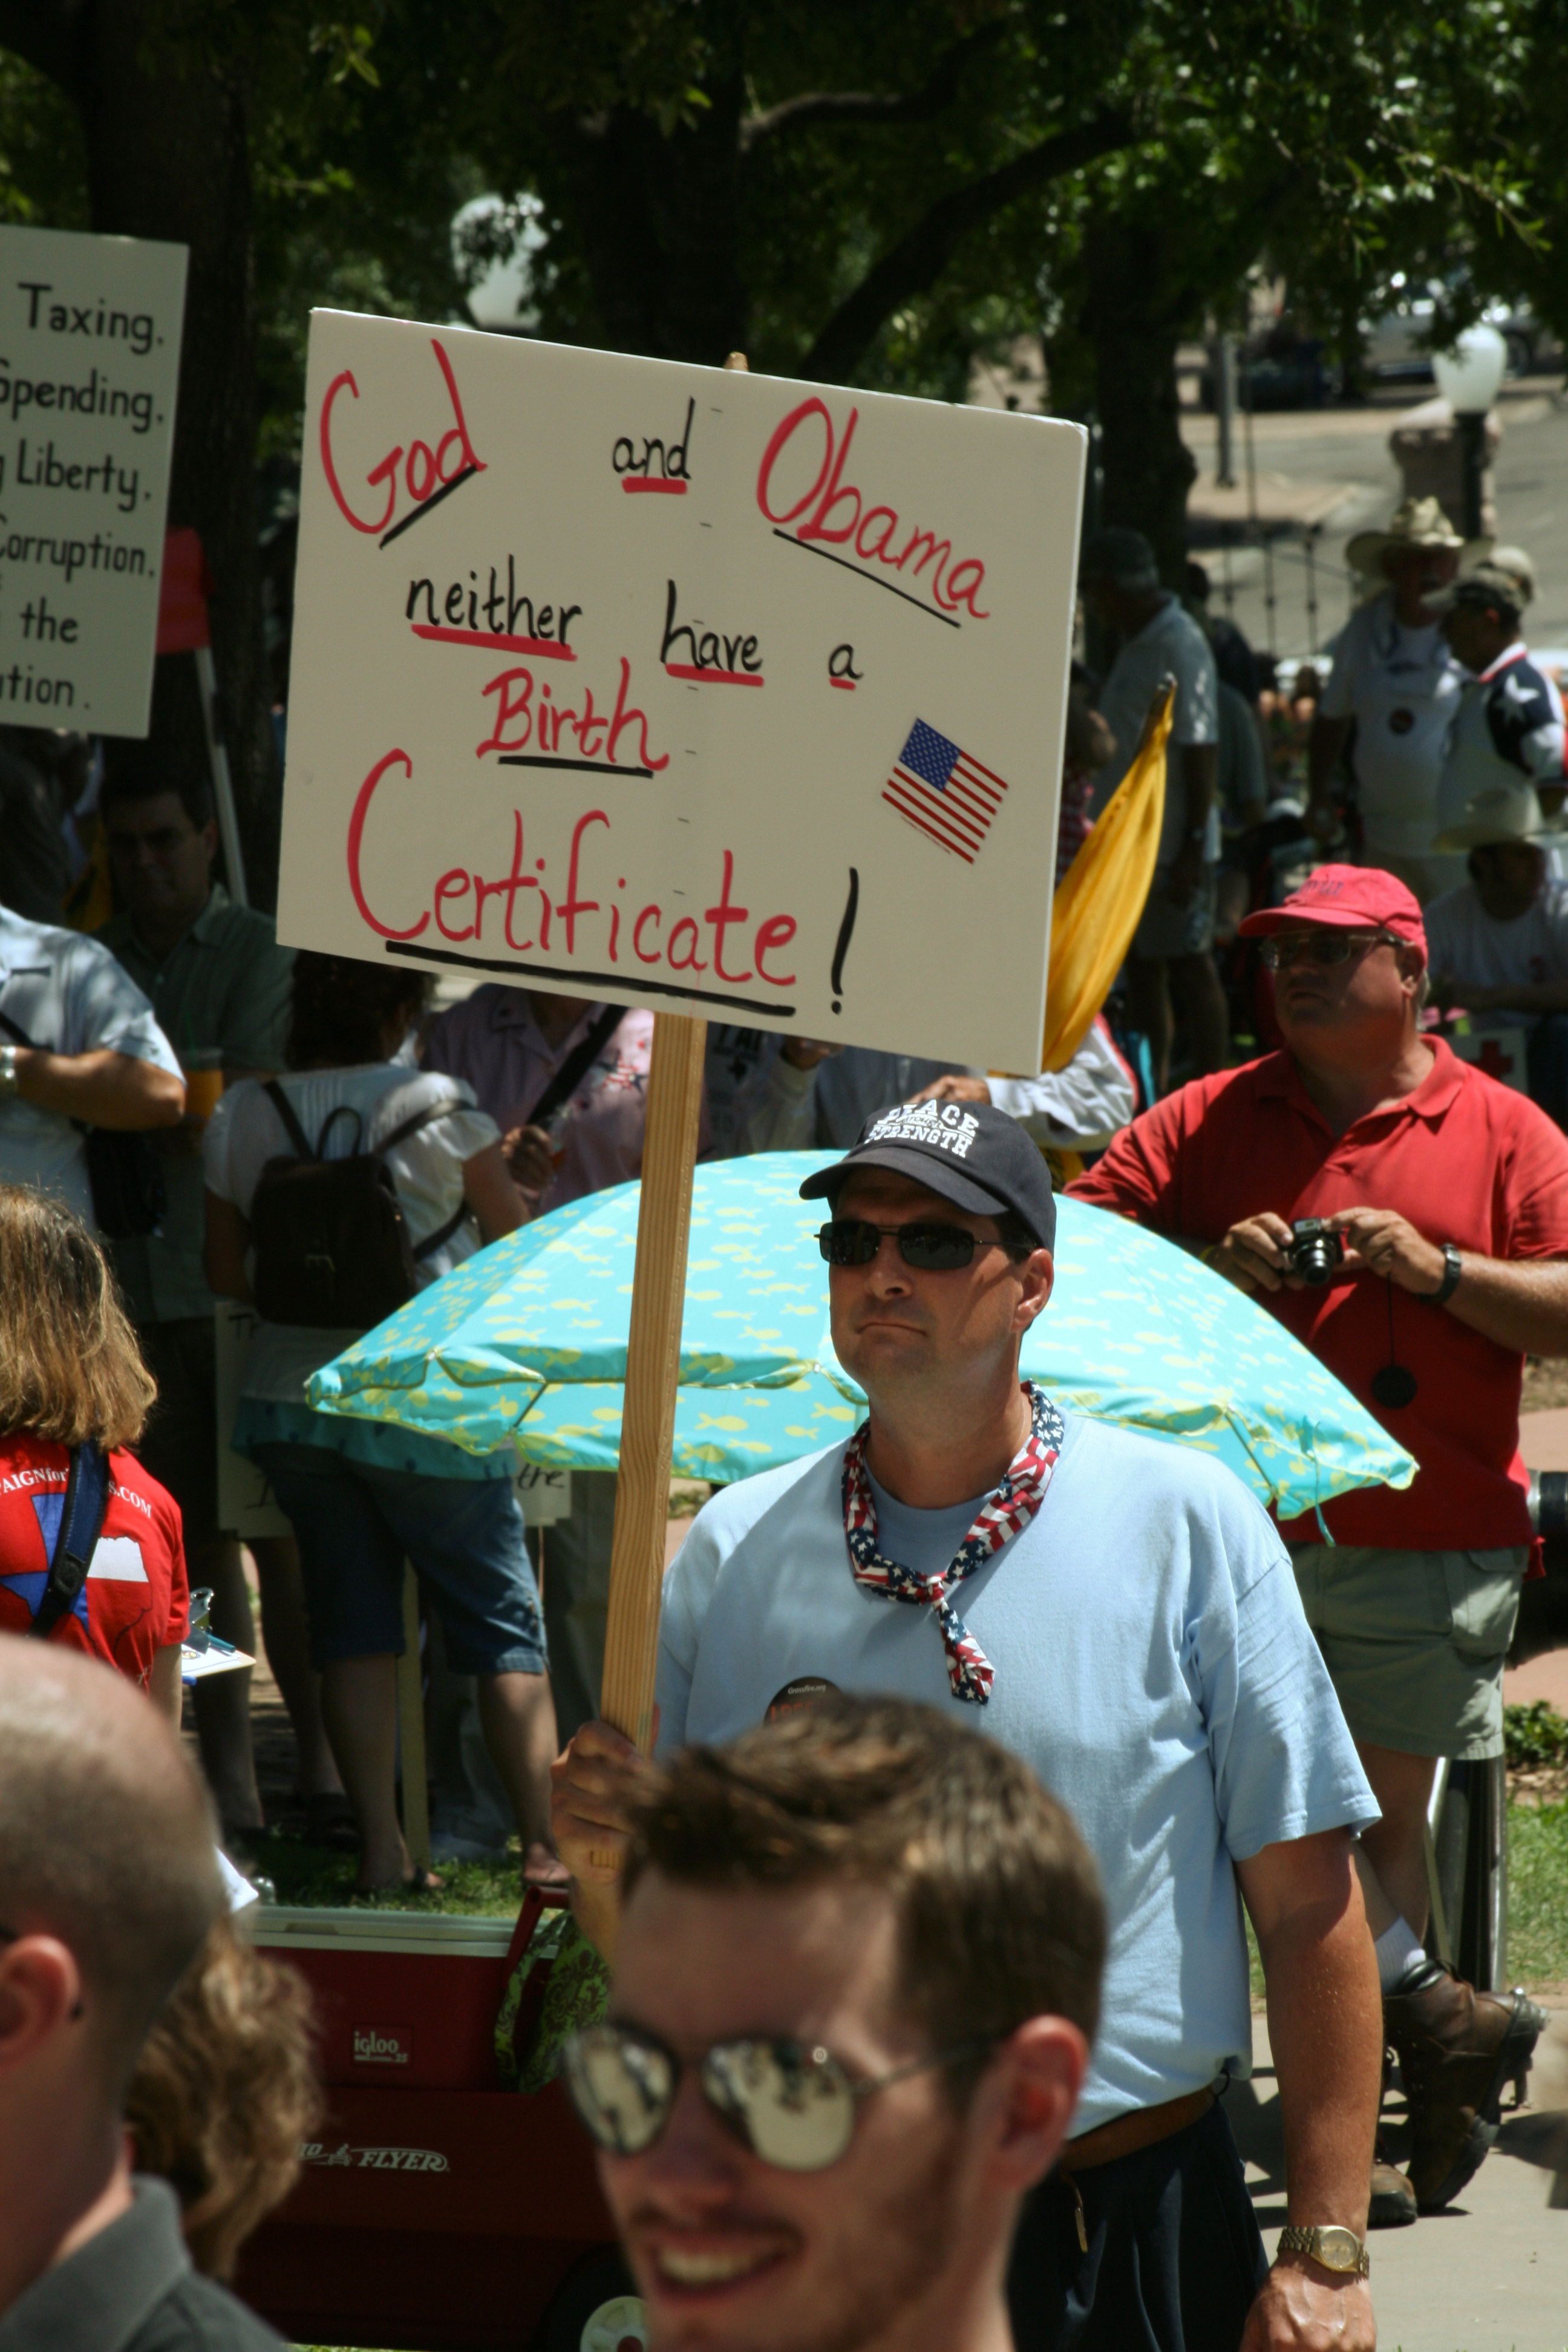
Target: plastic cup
{"type": "Point", "coordinates": [203, 1071]}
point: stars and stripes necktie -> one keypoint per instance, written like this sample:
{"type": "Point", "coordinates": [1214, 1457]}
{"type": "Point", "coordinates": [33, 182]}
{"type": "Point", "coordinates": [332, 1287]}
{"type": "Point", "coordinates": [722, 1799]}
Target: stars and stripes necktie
{"type": "Point", "coordinates": [1006, 1512]}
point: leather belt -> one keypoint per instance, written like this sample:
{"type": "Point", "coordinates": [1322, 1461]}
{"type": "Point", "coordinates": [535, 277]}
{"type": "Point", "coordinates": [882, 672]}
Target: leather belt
{"type": "Point", "coordinates": [1142, 2127]}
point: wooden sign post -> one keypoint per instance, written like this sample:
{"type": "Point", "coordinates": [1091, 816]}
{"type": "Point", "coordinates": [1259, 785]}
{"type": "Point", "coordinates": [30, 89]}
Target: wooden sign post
{"type": "Point", "coordinates": [653, 1354]}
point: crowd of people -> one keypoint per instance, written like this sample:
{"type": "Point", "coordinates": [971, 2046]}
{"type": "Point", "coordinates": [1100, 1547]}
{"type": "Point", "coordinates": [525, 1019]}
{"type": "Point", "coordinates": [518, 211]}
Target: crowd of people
{"type": "Point", "coordinates": [828, 1884]}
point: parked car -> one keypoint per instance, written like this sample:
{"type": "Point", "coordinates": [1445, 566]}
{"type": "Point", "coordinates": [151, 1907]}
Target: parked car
{"type": "Point", "coordinates": [1398, 344]}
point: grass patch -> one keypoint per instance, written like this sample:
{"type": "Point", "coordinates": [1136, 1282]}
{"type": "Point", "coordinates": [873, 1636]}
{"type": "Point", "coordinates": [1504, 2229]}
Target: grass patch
{"type": "Point", "coordinates": [305, 1876]}
{"type": "Point", "coordinates": [1538, 1893]}
{"type": "Point", "coordinates": [1536, 1899]}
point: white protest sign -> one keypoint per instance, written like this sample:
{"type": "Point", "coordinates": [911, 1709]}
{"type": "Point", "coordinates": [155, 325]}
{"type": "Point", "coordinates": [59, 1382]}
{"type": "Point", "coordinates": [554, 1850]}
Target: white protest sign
{"type": "Point", "coordinates": [708, 691]}
{"type": "Point", "coordinates": [543, 1493]}
{"type": "Point", "coordinates": [90, 358]}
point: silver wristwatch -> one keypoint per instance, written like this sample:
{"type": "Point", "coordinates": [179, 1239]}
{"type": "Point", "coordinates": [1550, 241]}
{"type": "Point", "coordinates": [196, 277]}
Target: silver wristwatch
{"type": "Point", "coordinates": [1336, 2248]}
{"type": "Point", "coordinates": [7, 1071]}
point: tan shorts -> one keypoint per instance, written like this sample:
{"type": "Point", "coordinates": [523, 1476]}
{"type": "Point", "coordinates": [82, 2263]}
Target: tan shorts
{"type": "Point", "coordinates": [1414, 1640]}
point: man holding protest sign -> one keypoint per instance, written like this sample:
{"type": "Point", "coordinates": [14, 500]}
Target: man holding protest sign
{"type": "Point", "coordinates": [1180, 1709]}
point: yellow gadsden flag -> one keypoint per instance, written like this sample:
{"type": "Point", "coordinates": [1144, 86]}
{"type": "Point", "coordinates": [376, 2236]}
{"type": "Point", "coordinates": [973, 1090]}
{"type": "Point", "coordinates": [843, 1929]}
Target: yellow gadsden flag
{"type": "Point", "coordinates": [1100, 898]}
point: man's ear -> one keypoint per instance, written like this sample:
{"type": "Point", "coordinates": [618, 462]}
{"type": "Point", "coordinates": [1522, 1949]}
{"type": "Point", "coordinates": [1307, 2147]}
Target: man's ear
{"type": "Point", "coordinates": [1036, 1275]}
{"type": "Point", "coordinates": [40, 1992]}
{"type": "Point", "coordinates": [1023, 2107]}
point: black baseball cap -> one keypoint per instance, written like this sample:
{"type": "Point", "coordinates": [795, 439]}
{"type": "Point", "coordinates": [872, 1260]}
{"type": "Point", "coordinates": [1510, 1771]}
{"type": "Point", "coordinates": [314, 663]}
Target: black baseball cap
{"type": "Point", "coordinates": [969, 1152]}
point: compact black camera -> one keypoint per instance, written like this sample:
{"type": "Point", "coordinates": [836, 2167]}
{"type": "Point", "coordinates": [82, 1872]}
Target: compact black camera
{"type": "Point", "coordinates": [1316, 1248]}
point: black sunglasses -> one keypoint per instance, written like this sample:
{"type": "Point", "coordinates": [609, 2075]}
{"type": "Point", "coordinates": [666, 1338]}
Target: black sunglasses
{"type": "Point", "coordinates": [933, 1248]}
{"type": "Point", "coordinates": [793, 2105]}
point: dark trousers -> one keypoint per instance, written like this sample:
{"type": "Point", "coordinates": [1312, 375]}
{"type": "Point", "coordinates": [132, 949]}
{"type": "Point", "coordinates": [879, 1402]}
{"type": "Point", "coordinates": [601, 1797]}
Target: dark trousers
{"type": "Point", "coordinates": [1174, 2255]}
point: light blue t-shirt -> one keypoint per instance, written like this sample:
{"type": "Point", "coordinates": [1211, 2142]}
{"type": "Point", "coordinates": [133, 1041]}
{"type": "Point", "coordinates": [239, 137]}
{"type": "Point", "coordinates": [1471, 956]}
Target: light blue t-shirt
{"type": "Point", "coordinates": [1153, 1665]}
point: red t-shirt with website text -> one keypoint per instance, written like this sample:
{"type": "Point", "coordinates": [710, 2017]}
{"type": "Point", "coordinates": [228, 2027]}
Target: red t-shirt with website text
{"type": "Point", "coordinates": [136, 1599]}
{"type": "Point", "coordinates": [1466, 1160]}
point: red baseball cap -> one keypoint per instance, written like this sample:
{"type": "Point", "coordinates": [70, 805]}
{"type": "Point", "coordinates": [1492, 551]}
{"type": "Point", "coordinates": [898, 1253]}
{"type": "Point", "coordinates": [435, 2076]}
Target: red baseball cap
{"type": "Point", "coordinates": [1346, 898]}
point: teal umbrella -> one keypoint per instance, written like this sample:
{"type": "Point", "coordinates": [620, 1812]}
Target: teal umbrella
{"type": "Point", "coordinates": [526, 1344]}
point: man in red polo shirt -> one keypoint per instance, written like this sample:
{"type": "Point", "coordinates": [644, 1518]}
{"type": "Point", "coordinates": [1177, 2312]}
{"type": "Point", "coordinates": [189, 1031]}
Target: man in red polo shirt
{"type": "Point", "coordinates": [1445, 1257]}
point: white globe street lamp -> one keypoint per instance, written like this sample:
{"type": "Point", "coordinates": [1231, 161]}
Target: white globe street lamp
{"type": "Point", "coordinates": [1470, 378]}
{"type": "Point", "coordinates": [500, 297]}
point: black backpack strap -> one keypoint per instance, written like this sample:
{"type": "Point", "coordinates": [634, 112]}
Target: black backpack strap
{"type": "Point", "coordinates": [442, 1234]}
{"type": "Point", "coordinates": [415, 1121]}
{"type": "Point", "coordinates": [285, 1110]}
{"type": "Point", "coordinates": [81, 1524]}
{"type": "Point", "coordinates": [564, 1084]}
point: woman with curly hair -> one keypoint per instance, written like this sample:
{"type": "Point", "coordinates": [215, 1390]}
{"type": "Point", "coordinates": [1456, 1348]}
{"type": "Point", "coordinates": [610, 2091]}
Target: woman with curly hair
{"type": "Point", "coordinates": [71, 1378]}
{"type": "Point", "coordinates": [363, 1496]}
{"type": "Point", "coordinates": [224, 2092]}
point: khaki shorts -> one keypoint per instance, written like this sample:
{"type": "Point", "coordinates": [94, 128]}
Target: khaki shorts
{"type": "Point", "coordinates": [1414, 1640]}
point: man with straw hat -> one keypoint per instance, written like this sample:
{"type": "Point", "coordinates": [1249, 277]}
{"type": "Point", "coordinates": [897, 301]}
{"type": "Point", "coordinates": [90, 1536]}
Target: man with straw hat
{"type": "Point", "coordinates": [1397, 681]}
{"type": "Point", "coordinates": [1499, 945]}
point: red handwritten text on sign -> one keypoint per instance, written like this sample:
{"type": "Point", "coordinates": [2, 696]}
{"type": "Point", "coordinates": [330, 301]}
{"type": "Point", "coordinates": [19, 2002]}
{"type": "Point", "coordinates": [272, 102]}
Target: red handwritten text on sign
{"type": "Point", "coordinates": [427, 473]}
{"type": "Point", "coordinates": [835, 513]}
{"type": "Point", "coordinates": [578, 924]}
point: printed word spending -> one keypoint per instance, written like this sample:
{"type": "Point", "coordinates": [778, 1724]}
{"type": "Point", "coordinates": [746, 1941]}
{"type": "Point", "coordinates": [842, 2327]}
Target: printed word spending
{"type": "Point", "coordinates": [568, 712]}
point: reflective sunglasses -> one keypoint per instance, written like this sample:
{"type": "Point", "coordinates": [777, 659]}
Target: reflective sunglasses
{"type": "Point", "coordinates": [934, 1249]}
{"type": "Point", "coordinates": [793, 2105]}
{"type": "Point", "coordinates": [1320, 947]}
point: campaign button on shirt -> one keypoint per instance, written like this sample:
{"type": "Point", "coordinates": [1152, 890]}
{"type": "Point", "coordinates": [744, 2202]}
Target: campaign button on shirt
{"type": "Point", "coordinates": [803, 1691]}
{"type": "Point", "coordinates": [135, 1600]}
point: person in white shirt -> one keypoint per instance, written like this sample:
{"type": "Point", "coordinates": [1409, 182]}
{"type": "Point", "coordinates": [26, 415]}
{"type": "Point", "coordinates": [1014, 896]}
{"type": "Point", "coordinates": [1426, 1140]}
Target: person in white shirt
{"type": "Point", "coordinates": [1507, 726]}
{"type": "Point", "coordinates": [1498, 946]}
{"type": "Point", "coordinates": [1397, 681]}
{"type": "Point", "coordinates": [817, 1094]}
{"type": "Point", "coordinates": [1172, 948]}
{"type": "Point", "coordinates": [79, 1047]}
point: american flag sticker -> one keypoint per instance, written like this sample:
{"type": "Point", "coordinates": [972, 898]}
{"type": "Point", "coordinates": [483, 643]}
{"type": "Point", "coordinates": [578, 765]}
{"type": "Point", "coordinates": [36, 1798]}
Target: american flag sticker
{"type": "Point", "coordinates": [943, 790]}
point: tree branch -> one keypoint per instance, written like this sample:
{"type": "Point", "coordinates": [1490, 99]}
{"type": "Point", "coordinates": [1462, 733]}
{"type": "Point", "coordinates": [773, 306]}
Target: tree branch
{"type": "Point", "coordinates": [918, 257]}
{"type": "Point", "coordinates": [837, 106]}
{"type": "Point", "coordinates": [48, 35]}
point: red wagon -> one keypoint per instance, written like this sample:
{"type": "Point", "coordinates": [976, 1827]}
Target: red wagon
{"type": "Point", "coordinates": [435, 2208]}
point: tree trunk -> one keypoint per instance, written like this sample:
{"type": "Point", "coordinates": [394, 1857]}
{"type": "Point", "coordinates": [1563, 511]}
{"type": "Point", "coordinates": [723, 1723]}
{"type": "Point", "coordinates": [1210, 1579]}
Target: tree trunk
{"type": "Point", "coordinates": [1130, 322]}
{"type": "Point", "coordinates": [658, 216]}
{"type": "Point", "coordinates": [168, 157]}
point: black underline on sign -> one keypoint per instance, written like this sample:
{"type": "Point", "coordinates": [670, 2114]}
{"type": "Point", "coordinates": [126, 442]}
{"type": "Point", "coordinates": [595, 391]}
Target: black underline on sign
{"type": "Point", "coordinates": [595, 767]}
{"type": "Point", "coordinates": [433, 500]}
{"type": "Point", "coordinates": [806, 548]}
{"type": "Point", "coordinates": [608, 979]}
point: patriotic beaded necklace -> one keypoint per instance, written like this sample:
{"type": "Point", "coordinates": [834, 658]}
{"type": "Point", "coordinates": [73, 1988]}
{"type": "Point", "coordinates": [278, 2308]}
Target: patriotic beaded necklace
{"type": "Point", "coordinates": [1006, 1512]}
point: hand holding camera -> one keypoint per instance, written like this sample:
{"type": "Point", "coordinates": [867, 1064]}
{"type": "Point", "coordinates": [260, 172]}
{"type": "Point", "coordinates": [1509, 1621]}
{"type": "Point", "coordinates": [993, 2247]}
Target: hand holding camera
{"type": "Point", "coordinates": [1268, 1253]}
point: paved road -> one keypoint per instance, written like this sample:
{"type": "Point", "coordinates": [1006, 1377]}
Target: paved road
{"type": "Point", "coordinates": [1488, 2275]}
{"type": "Point", "coordinates": [1298, 455]}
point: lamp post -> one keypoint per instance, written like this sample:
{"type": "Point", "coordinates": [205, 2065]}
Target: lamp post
{"type": "Point", "coordinates": [1470, 378]}
{"type": "Point", "coordinates": [500, 299]}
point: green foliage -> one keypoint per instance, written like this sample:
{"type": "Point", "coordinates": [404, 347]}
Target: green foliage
{"type": "Point", "coordinates": [713, 173]}
{"type": "Point", "coordinates": [43, 161]}
{"type": "Point", "coordinates": [1534, 1735]}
